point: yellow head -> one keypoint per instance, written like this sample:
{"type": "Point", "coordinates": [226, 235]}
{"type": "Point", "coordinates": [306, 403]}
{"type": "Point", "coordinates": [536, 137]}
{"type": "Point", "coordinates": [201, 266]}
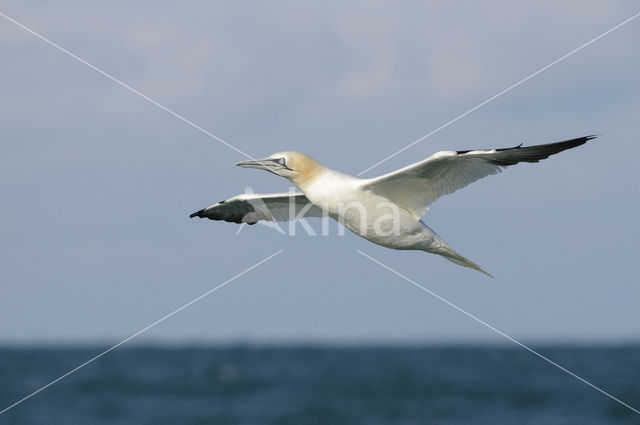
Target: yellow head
{"type": "Point", "coordinates": [296, 166]}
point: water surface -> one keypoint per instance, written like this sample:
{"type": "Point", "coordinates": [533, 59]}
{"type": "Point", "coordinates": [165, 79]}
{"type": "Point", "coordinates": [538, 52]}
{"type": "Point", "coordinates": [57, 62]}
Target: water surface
{"type": "Point", "coordinates": [320, 385]}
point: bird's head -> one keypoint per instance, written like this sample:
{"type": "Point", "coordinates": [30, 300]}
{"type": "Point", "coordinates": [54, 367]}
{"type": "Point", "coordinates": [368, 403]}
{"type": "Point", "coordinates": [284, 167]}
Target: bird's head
{"type": "Point", "coordinates": [296, 166]}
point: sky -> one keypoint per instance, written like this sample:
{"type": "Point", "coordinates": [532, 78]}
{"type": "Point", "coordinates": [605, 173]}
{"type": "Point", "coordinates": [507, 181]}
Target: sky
{"type": "Point", "coordinates": [97, 183]}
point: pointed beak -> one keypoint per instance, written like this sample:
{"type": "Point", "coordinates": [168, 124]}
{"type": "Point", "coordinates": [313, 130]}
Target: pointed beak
{"type": "Point", "coordinates": [261, 164]}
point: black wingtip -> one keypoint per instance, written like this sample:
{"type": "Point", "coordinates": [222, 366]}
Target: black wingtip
{"type": "Point", "coordinates": [197, 214]}
{"type": "Point", "coordinates": [578, 141]}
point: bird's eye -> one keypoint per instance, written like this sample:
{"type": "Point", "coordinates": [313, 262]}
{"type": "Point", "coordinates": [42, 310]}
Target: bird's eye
{"type": "Point", "coordinates": [281, 161]}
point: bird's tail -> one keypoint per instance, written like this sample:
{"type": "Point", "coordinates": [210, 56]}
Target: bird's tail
{"type": "Point", "coordinates": [454, 257]}
{"type": "Point", "coordinates": [440, 247]}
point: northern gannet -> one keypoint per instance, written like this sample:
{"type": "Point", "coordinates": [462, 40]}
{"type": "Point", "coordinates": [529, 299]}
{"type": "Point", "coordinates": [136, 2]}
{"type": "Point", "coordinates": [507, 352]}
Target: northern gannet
{"type": "Point", "coordinates": [385, 210]}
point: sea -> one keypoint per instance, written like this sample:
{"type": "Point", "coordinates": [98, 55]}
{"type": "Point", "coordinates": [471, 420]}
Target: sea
{"type": "Point", "coordinates": [343, 385]}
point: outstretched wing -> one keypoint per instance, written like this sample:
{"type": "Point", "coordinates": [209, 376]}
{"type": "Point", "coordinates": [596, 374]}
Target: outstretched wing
{"type": "Point", "coordinates": [418, 185]}
{"type": "Point", "coordinates": [253, 207]}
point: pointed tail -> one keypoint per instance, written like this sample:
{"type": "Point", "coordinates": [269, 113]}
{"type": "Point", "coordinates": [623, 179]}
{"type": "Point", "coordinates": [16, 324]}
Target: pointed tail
{"type": "Point", "coordinates": [454, 257]}
{"type": "Point", "coordinates": [440, 247]}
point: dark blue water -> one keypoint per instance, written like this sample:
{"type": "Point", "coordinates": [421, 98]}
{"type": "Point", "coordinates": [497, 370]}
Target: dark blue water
{"type": "Point", "coordinates": [316, 385]}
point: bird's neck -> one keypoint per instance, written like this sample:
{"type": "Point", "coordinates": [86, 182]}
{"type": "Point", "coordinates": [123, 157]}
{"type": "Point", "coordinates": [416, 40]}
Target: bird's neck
{"type": "Point", "coordinates": [322, 178]}
{"type": "Point", "coordinates": [310, 172]}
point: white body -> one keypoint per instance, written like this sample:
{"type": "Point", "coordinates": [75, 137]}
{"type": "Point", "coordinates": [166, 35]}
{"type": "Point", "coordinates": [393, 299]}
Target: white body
{"type": "Point", "coordinates": [367, 214]}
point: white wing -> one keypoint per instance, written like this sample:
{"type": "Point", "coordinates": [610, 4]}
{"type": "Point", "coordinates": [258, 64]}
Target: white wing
{"type": "Point", "coordinates": [253, 207]}
{"type": "Point", "coordinates": [418, 185]}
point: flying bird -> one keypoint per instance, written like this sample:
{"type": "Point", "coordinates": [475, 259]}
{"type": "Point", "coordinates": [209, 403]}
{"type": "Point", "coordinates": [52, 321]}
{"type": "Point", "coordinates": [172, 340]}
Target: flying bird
{"type": "Point", "coordinates": [385, 210]}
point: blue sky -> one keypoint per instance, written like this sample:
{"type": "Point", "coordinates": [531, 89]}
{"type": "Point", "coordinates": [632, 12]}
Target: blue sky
{"type": "Point", "coordinates": [97, 183]}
